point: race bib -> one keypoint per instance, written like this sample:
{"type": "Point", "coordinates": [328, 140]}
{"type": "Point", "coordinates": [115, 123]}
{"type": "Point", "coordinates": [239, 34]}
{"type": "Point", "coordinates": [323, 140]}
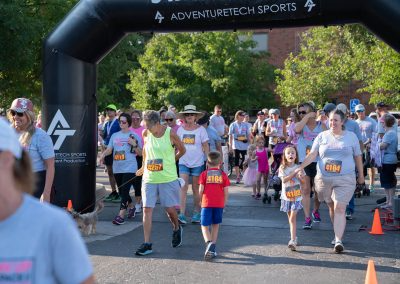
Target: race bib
{"type": "Point", "coordinates": [155, 165]}
{"type": "Point", "coordinates": [333, 166]}
{"type": "Point", "coordinates": [293, 192]}
{"type": "Point", "coordinates": [308, 150]}
{"type": "Point", "coordinates": [241, 137]}
{"type": "Point", "coordinates": [214, 176]}
{"type": "Point", "coordinates": [119, 156]}
{"type": "Point", "coordinates": [189, 139]}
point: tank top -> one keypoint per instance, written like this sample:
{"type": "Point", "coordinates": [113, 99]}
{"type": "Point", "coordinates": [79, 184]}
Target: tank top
{"type": "Point", "coordinates": [160, 164]}
{"type": "Point", "coordinates": [277, 128]}
{"type": "Point", "coordinates": [263, 166]}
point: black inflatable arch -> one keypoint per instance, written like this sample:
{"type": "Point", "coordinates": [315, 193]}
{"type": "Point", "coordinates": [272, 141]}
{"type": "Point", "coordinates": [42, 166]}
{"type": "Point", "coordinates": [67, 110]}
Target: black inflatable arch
{"type": "Point", "coordinates": [94, 27]}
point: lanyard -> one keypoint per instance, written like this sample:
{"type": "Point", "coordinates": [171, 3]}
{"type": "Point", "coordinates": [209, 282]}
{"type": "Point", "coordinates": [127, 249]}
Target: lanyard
{"type": "Point", "coordinates": [109, 125]}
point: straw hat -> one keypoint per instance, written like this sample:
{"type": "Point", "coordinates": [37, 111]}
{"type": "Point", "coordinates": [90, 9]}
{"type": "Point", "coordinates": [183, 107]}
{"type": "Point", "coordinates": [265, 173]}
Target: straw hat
{"type": "Point", "coordinates": [190, 109]}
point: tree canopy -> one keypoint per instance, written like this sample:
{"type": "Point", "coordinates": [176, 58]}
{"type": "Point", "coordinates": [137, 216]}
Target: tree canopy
{"type": "Point", "coordinates": [330, 58]}
{"type": "Point", "coordinates": [203, 69]}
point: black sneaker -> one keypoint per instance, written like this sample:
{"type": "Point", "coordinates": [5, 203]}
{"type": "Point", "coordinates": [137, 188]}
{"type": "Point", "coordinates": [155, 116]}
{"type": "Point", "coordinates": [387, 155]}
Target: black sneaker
{"type": "Point", "coordinates": [349, 215]}
{"type": "Point", "coordinates": [144, 249]}
{"type": "Point", "coordinates": [177, 237]}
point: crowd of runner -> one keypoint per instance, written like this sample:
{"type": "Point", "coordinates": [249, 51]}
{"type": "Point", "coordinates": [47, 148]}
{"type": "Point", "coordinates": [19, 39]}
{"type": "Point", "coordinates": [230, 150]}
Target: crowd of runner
{"type": "Point", "coordinates": [158, 154]}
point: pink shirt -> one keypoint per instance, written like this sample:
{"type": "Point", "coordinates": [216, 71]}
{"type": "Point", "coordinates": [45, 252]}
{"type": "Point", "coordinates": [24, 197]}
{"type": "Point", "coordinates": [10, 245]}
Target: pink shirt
{"type": "Point", "coordinates": [139, 132]}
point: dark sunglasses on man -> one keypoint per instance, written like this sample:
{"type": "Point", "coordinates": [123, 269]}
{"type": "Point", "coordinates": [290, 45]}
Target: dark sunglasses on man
{"type": "Point", "coordinates": [14, 113]}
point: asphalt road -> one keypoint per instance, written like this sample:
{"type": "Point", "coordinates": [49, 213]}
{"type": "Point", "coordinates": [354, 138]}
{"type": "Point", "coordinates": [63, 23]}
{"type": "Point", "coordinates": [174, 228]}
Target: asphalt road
{"type": "Point", "coordinates": [252, 247]}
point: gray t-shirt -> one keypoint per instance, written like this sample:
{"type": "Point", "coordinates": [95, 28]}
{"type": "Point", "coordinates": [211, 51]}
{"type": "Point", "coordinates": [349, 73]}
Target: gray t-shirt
{"type": "Point", "coordinates": [352, 126]}
{"type": "Point", "coordinates": [390, 153]}
{"type": "Point", "coordinates": [367, 127]}
{"type": "Point", "coordinates": [306, 139]}
{"type": "Point", "coordinates": [336, 155]}
{"type": "Point", "coordinates": [40, 149]}
{"type": "Point", "coordinates": [213, 137]}
{"type": "Point", "coordinates": [218, 122]}
{"type": "Point", "coordinates": [41, 244]}
{"type": "Point", "coordinates": [123, 160]}
{"type": "Point", "coordinates": [241, 135]}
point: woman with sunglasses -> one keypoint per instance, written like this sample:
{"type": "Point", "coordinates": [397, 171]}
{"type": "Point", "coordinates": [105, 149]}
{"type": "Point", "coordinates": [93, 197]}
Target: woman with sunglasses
{"type": "Point", "coordinates": [125, 146]}
{"type": "Point", "coordinates": [37, 143]}
{"type": "Point", "coordinates": [195, 139]}
{"type": "Point", "coordinates": [170, 119]}
{"type": "Point", "coordinates": [308, 128]}
{"type": "Point", "coordinates": [239, 140]}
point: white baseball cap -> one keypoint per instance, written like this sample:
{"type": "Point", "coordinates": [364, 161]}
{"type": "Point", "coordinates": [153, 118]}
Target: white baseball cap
{"type": "Point", "coordinates": [359, 107]}
{"type": "Point", "coordinates": [9, 139]}
{"type": "Point", "coordinates": [342, 108]}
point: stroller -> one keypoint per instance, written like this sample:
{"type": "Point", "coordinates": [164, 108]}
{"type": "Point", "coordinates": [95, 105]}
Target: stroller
{"type": "Point", "coordinates": [274, 181]}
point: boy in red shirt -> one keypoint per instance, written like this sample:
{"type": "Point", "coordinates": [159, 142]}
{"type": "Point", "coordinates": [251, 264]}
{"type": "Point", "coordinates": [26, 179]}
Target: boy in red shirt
{"type": "Point", "coordinates": [214, 194]}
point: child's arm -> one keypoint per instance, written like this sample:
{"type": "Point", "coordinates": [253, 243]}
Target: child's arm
{"type": "Point", "coordinates": [254, 157]}
{"type": "Point", "coordinates": [201, 190]}
{"type": "Point", "coordinates": [289, 177]}
{"type": "Point", "coordinates": [226, 194]}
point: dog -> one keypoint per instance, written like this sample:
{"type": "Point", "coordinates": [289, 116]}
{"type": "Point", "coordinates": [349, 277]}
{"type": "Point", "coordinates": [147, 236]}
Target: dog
{"type": "Point", "coordinates": [87, 222]}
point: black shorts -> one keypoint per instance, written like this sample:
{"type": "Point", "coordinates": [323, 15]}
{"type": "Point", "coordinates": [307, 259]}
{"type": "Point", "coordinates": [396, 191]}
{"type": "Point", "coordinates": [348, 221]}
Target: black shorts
{"type": "Point", "coordinates": [239, 154]}
{"type": "Point", "coordinates": [311, 170]}
{"type": "Point", "coordinates": [387, 176]}
{"type": "Point", "coordinates": [108, 160]}
{"type": "Point", "coordinates": [40, 183]}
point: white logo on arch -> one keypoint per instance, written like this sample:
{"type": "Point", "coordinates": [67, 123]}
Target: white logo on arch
{"type": "Point", "coordinates": [310, 4]}
{"type": "Point", "coordinates": [54, 129]}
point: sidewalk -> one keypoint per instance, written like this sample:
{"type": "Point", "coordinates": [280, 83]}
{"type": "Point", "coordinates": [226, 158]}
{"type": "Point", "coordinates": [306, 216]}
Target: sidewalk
{"type": "Point", "coordinates": [252, 247]}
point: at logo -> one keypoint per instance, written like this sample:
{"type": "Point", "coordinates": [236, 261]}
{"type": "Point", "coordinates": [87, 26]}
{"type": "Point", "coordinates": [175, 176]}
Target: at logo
{"type": "Point", "coordinates": [62, 133]}
{"type": "Point", "coordinates": [310, 4]}
{"type": "Point", "coordinates": [159, 17]}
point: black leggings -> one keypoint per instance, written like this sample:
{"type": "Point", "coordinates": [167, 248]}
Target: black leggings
{"type": "Point", "coordinates": [124, 182]}
{"type": "Point", "coordinates": [240, 155]}
{"type": "Point", "coordinates": [40, 183]}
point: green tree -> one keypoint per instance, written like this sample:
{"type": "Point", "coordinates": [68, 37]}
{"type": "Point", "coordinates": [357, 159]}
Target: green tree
{"type": "Point", "coordinates": [202, 69]}
{"type": "Point", "coordinates": [330, 58]}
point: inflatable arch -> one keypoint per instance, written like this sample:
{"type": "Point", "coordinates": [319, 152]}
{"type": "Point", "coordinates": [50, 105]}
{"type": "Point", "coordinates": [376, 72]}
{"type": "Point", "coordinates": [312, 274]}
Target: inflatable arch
{"type": "Point", "coordinates": [91, 30]}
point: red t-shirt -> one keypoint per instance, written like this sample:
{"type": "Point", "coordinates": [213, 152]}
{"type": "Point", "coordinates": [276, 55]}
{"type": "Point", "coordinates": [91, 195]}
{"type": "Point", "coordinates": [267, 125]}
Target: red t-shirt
{"type": "Point", "coordinates": [214, 181]}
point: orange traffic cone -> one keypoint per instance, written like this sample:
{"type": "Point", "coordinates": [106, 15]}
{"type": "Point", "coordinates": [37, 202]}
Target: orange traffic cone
{"type": "Point", "coordinates": [376, 224]}
{"type": "Point", "coordinates": [69, 206]}
{"type": "Point", "coordinates": [370, 278]}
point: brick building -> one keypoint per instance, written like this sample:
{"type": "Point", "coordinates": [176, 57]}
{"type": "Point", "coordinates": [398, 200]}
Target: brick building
{"type": "Point", "coordinates": [281, 42]}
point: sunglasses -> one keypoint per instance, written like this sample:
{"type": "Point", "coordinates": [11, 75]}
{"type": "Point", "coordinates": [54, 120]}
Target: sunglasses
{"type": "Point", "coordinates": [302, 112]}
{"type": "Point", "coordinates": [169, 119]}
{"type": "Point", "coordinates": [135, 118]}
{"type": "Point", "coordinates": [123, 122]}
{"type": "Point", "coordinates": [14, 113]}
{"type": "Point", "coordinates": [189, 114]}
{"type": "Point", "coordinates": [359, 111]}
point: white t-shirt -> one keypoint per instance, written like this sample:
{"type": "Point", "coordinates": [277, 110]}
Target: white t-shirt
{"type": "Point", "coordinates": [193, 140]}
{"type": "Point", "coordinates": [40, 243]}
{"type": "Point", "coordinates": [218, 122]}
{"type": "Point", "coordinates": [336, 154]}
{"type": "Point", "coordinates": [291, 190]}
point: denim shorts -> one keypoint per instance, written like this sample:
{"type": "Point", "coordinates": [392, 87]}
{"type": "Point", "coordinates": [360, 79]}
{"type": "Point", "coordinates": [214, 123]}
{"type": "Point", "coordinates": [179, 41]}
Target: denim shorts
{"type": "Point", "coordinates": [196, 171]}
{"type": "Point", "coordinates": [211, 216]}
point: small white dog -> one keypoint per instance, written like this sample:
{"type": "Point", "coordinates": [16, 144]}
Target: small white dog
{"type": "Point", "coordinates": [87, 222]}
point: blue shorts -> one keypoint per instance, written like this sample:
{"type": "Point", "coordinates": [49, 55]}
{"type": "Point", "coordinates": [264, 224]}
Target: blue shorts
{"type": "Point", "coordinates": [196, 171]}
{"type": "Point", "coordinates": [211, 216]}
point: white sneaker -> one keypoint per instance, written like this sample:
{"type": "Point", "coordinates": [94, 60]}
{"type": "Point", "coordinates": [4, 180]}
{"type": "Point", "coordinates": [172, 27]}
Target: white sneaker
{"type": "Point", "coordinates": [339, 247]}
{"type": "Point", "coordinates": [138, 208]}
{"type": "Point", "coordinates": [292, 245]}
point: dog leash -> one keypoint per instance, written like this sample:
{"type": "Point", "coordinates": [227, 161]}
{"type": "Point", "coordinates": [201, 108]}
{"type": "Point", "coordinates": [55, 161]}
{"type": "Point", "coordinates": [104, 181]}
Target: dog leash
{"type": "Point", "coordinates": [101, 198]}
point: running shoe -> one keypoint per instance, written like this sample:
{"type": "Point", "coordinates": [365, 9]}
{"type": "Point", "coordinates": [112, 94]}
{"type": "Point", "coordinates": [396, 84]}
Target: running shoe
{"type": "Point", "coordinates": [118, 220]}
{"type": "Point", "coordinates": [338, 247]}
{"type": "Point", "coordinates": [144, 249]}
{"type": "Point", "coordinates": [371, 188]}
{"type": "Point", "coordinates": [196, 217]}
{"type": "Point", "coordinates": [238, 180]}
{"type": "Point", "coordinates": [258, 196]}
{"type": "Point", "coordinates": [117, 198]}
{"type": "Point", "coordinates": [177, 237]}
{"type": "Point", "coordinates": [182, 219]}
{"type": "Point", "coordinates": [138, 209]}
{"type": "Point", "coordinates": [292, 245]}
{"type": "Point", "coordinates": [110, 197]}
{"type": "Point", "coordinates": [316, 217]}
{"type": "Point", "coordinates": [333, 242]}
{"type": "Point", "coordinates": [206, 253]}
{"type": "Point", "coordinates": [210, 253]}
{"type": "Point", "coordinates": [349, 215]}
{"type": "Point", "coordinates": [307, 224]}
{"type": "Point", "coordinates": [131, 213]}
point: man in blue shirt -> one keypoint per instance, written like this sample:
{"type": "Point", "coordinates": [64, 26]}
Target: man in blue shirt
{"type": "Point", "coordinates": [111, 127]}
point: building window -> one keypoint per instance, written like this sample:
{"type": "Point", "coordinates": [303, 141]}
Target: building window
{"type": "Point", "coordinates": [261, 40]}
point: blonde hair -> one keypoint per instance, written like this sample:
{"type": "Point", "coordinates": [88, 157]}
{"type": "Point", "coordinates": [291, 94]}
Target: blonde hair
{"type": "Point", "coordinates": [251, 149]}
{"type": "Point", "coordinates": [26, 136]}
{"type": "Point", "coordinates": [285, 163]}
{"type": "Point", "coordinates": [23, 174]}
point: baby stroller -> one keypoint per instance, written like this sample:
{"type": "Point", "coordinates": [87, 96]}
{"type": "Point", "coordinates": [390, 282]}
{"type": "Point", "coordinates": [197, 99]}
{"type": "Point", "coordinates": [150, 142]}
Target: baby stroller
{"type": "Point", "coordinates": [274, 181]}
